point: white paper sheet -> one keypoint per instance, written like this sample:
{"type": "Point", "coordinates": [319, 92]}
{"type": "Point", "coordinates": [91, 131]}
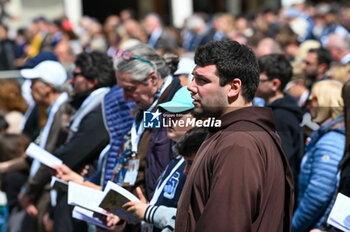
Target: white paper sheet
{"type": "Point", "coordinates": [42, 156]}
{"type": "Point", "coordinates": [85, 197]}
{"type": "Point", "coordinates": [340, 214]}
{"type": "Point", "coordinates": [87, 215]}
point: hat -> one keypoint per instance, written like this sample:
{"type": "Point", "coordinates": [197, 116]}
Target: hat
{"type": "Point", "coordinates": [185, 66]}
{"type": "Point", "coordinates": [181, 102]}
{"type": "Point", "coordinates": [49, 71]}
{"type": "Point", "coordinates": [42, 56]}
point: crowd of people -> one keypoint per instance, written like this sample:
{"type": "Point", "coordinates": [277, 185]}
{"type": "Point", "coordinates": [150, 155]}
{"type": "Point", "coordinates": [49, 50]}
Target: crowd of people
{"type": "Point", "coordinates": [275, 83]}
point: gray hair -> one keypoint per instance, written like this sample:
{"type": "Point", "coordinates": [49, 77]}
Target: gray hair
{"type": "Point", "coordinates": [340, 41]}
{"type": "Point", "coordinates": [141, 69]}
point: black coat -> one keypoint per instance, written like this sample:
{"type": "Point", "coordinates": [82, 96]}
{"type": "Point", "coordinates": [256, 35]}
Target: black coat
{"type": "Point", "coordinates": [287, 115]}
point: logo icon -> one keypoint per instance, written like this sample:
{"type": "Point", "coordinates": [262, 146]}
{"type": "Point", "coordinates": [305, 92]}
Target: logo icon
{"type": "Point", "coordinates": [151, 119]}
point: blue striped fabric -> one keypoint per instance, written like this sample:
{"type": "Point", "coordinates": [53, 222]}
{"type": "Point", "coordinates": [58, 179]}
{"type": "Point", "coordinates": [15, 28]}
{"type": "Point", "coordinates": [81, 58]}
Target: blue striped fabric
{"type": "Point", "coordinates": [119, 121]}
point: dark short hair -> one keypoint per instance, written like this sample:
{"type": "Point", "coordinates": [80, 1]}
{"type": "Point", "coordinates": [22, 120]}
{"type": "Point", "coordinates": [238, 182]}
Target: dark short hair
{"type": "Point", "coordinates": [232, 60]}
{"type": "Point", "coordinates": [323, 55]}
{"type": "Point", "coordinates": [97, 65]}
{"type": "Point", "coordinates": [190, 142]}
{"type": "Point", "coordinates": [276, 66]}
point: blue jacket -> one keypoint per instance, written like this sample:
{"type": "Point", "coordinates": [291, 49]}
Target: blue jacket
{"type": "Point", "coordinates": [118, 121]}
{"type": "Point", "coordinates": [318, 171]}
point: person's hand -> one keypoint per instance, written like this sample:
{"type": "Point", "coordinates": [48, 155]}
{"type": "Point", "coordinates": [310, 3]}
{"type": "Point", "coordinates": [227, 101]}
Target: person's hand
{"type": "Point", "coordinates": [63, 172]}
{"type": "Point", "coordinates": [110, 221]}
{"type": "Point", "coordinates": [138, 209]}
{"type": "Point", "coordinates": [3, 167]}
{"type": "Point", "coordinates": [48, 222]}
{"type": "Point", "coordinates": [115, 228]}
{"type": "Point", "coordinates": [27, 204]}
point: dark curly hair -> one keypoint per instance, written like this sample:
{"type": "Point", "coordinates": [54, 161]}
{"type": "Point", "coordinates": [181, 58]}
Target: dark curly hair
{"type": "Point", "coordinates": [232, 60]}
{"type": "Point", "coordinates": [323, 56]}
{"type": "Point", "coordinates": [190, 142]}
{"type": "Point", "coordinates": [276, 66]}
{"type": "Point", "coordinates": [97, 65]}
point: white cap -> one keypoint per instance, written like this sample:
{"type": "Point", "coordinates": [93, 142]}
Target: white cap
{"type": "Point", "coordinates": [185, 66]}
{"type": "Point", "coordinates": [49, 71]}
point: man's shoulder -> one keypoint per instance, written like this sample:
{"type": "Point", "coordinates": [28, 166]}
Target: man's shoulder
{"type": "Point", "coordinates": [240, 134]}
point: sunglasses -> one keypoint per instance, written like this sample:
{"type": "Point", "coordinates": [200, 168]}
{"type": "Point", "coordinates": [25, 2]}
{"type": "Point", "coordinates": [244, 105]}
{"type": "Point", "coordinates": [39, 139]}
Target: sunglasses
{"type": "Point", "coordinates": [126, 55]}
{"type": "Point", "coordinates": [75, 74]}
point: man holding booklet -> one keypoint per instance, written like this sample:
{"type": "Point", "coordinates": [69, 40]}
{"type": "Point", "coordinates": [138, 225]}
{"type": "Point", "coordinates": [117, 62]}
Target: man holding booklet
{"type": "Point", "coordinates": [162, 207]}
{"type": "Point", "coordinates": [48, 85]}
{"type": "Point", "coordinates": [92, 77]}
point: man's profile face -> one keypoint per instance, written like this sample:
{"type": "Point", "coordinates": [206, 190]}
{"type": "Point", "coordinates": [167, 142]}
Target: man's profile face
{"type": "Point", "coordinates": [79, 82]}
{"type": "Point", "coordinates": [39, 91]}
{"type": "Point", "coordinates": [310, 66]}
{"type": "Point", "coordinates": [210, 99]}
{"type": "Point", "coordinates": [265, 87]}
{"type": "Point", "coordinates": [140, 93]}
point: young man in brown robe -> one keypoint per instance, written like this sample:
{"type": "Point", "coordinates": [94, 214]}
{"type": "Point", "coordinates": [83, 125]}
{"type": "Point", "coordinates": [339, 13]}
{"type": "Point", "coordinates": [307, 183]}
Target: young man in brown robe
{"type": "Point", "coordinates": [240, 179]}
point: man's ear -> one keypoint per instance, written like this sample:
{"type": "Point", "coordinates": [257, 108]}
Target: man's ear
{"type": "Point", "coordinates": [92, 84]}
{"type": "Point", "coordinates": [235, 88]}
{"type": "Point", "coordinates": [322, 68]}
{"type": "Point", "coordinates": [276, 84]}
{"type": "Point", "coordinates": [154, 78]}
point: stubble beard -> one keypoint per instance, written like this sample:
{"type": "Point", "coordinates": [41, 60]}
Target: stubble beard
{"type": "Point", "coordinates": [207, 112]}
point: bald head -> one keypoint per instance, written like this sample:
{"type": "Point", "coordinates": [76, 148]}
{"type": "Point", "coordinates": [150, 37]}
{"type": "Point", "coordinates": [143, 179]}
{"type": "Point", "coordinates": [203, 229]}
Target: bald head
{"type": "Point", "coordinates": [267, 46]}
{"type": "Point", "coordinates": [152, 22]}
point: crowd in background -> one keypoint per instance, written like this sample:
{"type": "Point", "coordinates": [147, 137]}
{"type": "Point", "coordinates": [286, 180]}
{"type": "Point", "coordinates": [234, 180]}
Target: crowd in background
{"type": "Point", "coordinates": [303, 53]}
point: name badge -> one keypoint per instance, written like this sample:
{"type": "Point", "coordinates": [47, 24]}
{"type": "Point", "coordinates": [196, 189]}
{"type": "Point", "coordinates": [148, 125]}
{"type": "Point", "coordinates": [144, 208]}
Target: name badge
{"type": "Point", "coordinates": [131, 173]}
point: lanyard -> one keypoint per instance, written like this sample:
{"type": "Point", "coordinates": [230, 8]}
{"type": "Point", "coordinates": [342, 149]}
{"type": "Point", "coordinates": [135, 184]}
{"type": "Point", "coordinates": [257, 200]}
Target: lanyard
{"type": "Point", "coordinates": [136, 134]}
{"type": "Point", "coordinates": [160, 185]}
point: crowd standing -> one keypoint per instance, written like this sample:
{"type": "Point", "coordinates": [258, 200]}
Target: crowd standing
{"type": "Point", "coordinates": [277, 81]}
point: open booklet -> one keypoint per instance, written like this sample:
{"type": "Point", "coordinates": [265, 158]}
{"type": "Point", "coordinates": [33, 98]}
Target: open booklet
{"type": "Point", "coordinates": [42, 156]}
{"type": "Point", "coordinates": [114, 197]}
{"type": "Point", "coordinates": [340, 214]}
{"type": "Point", "coordinates": [88, 216]}
{"type": "Point", "coordinates": [85, 197]}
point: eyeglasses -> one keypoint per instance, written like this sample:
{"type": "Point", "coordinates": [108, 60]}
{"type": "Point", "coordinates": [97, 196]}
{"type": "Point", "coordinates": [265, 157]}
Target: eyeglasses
{"type": "Point", "coordinates": [126, 55]}
{"type": "Point", "coordinates": [75, 74]}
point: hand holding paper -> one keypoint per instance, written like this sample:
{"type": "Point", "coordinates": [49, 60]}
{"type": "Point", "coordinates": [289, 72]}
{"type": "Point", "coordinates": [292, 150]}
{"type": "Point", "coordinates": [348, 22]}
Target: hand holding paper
{"type": "Point", "coordinates": [113, 200]}
{"type": "Point", "coordinates": [66, 174]}
{"type": "Point", "coordinates": [137, 209]}
{"type": "Point", "coordinates": [43, 156]}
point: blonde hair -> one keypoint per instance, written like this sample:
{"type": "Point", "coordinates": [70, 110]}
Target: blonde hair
{"type": "Point", "coordinates": [329, 99]}
{"type": "Point", "coordinates": [340, 72]}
